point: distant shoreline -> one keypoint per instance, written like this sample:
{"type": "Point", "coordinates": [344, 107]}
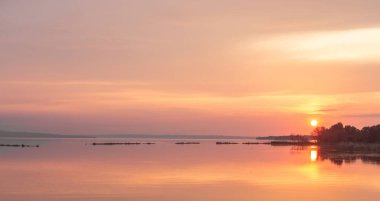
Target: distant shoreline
{"type": "Point", "coordinates": [12, 134]}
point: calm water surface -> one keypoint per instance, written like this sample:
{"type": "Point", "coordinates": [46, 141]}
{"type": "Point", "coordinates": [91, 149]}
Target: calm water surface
{"type": "Point", "coordinates": [72, 169]}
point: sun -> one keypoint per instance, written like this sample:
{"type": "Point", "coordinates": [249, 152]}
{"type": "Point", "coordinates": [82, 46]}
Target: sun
{"type": "Point", "coordinates": [314, 123]}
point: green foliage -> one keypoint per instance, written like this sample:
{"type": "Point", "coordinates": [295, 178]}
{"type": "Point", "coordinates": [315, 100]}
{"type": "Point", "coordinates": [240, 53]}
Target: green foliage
{"type": "Point", "coordinates": [340, 133]}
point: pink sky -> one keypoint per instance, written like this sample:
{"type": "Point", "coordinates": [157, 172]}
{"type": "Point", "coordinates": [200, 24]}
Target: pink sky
{"type": "Point", "coordinates": [237, 67]}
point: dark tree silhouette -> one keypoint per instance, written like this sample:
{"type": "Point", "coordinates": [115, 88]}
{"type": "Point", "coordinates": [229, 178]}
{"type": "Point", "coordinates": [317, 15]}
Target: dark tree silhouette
{"type": "Point", "coordinates": [340, 133]}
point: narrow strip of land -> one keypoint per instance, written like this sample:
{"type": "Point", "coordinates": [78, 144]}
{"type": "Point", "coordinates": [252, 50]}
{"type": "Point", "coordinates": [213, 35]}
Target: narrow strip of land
{"type": "Point", "coordinates": [18, 145]}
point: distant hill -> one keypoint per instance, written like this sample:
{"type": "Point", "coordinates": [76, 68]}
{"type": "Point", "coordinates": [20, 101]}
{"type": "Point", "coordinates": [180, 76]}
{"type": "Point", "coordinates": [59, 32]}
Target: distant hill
{"type": "Point", "coordinates": [14, 134]}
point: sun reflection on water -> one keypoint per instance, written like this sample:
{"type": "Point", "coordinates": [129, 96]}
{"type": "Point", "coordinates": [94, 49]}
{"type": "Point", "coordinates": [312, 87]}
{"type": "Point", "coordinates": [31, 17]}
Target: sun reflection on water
{"type": "Point", "coordinates": [313, 153]}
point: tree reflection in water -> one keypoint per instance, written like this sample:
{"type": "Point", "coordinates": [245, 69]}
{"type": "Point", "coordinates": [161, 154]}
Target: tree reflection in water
{"type": "Point", "coordinates": [340, 157]}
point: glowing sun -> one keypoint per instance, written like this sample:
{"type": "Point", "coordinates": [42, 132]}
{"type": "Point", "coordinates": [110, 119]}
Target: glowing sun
{"type": "Point", "coordinates": [314, 123]}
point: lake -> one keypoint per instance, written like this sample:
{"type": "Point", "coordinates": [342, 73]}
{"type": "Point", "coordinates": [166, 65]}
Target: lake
{"type": "Point", "coordinates": [73, 169]}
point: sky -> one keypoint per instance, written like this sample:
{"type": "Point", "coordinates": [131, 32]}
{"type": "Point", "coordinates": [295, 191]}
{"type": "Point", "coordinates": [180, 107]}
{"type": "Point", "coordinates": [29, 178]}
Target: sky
{"type": "Point", "coordinates": [238, 67]}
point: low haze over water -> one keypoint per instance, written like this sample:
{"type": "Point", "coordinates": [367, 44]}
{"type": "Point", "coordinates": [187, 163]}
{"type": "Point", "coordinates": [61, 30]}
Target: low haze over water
{"type": "Point", "coordinates": [74, 169]}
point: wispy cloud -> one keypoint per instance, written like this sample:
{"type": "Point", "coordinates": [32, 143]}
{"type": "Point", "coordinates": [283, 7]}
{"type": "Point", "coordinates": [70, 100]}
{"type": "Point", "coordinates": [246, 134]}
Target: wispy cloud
{"type": "Point", "coordinates": [74, 83]}
{"type": "Point", "coordinates": [325, 110]}
{"type": "Point", "coordinates": [344, 45]}
{"type": "Point", "coordinates": [369, 115]}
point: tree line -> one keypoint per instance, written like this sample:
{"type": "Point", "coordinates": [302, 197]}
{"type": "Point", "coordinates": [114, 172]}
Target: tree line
{"type": "Point", "coordinates": [340, 133]}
